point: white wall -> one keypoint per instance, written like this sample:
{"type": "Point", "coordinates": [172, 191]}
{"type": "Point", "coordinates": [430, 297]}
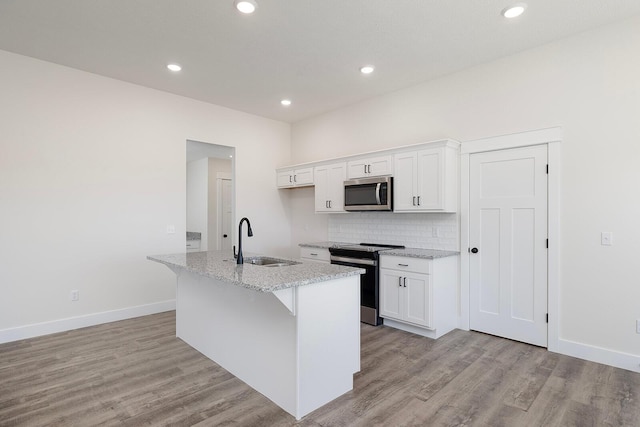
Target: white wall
{"type": "Point", "coordinates": [589, 86]}
{"type": "Point", "coordinates": [92, 170]}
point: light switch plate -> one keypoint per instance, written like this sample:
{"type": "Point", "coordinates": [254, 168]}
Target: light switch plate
{"type": "Point", "coordinates": [606, 238]}
{"type": "Point", "coordinates": [171, 229]}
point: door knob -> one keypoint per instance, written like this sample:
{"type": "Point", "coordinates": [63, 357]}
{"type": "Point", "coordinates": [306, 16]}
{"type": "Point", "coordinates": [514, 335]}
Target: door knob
{"type": "Point", "coordinates": [474, 250]}
{"type": "Point", "coordinates": [224, 235]}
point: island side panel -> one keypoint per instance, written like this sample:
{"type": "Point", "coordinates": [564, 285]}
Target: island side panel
{"type": "Point", "coordinates": [329, 340]}
{"type": "Point", "coordinates": [251, 334]}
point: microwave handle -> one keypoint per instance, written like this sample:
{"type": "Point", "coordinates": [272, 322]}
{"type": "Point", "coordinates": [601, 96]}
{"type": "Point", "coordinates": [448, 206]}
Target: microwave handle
{"type": "Point", "coordinates": [378, 185]}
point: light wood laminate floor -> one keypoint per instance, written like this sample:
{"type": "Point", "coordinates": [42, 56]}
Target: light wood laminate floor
{"type": "Point", "coordinates": [136, 372]}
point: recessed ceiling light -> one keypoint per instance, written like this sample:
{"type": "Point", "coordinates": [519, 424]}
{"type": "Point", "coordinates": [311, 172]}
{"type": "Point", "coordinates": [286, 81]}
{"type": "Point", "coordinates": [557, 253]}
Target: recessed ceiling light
{"type": "Point", "coordinates": [285, 102]}
{"type": "Point", "coordinates": [367, 69]}
{"type": "Point", "coordinates": [514, 11]}
{"type": "Point", "coordinates": [246, 6]}
{"type": "Point", "coordinates": [174, 67]}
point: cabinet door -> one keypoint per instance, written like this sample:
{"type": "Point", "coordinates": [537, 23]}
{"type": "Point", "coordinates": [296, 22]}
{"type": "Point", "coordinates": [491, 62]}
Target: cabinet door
{"type": "Point", "coordinates": [404, 181]}
{"type": "Point", "coordinates": [329, 187]}
{"type": "Point", "coordinates": [321, 188]}
{"type": "Point", "coordinates": [337, 174]}
{"type": "Point", "coordinates": [303, 176]}
{"type": "Point", "coordinates": [372, 166]}
{"type": "Point", "coordinates": [417, 299]}
{"type": "Point", "coordinates": [357, 169]}
{"type": "Point", "coordinates": [431, 179]}
{"type": "Point", "coordinates": [379, 166]}
{"type": "Point", "coordinates": [390, 290]}
{"type": "Point", "coordinates": [285, 179]}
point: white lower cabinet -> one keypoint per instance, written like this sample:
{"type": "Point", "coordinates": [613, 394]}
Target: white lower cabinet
{"type": "Point", "coordinates": [315, 254]}
{"type": "Point", "coordinates": [193, 245]}
{"type": "Point", "coordinates": [419, 295]}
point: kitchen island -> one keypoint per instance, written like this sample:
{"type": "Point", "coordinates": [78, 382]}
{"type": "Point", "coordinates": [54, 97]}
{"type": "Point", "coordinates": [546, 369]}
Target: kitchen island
{"type": "Point", "coordinates": [291, 332]}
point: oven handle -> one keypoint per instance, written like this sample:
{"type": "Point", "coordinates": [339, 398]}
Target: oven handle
{"type": "Point", "coordinates": [378, 193]}
{"type": "Point", "coordinates": [354, 260]}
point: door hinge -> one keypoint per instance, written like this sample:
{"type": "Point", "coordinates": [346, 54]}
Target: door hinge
{"type": "Point", "coordinates": [547, 317]}
{"type": "Point", "coordinates": [547, 169]}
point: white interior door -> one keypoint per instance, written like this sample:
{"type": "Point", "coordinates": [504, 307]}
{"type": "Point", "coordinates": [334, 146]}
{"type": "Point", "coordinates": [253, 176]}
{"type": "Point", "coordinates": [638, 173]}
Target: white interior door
{"type": "Point", "coordinates": [224, 205]}
{"type": "Point", "coordinates": [508, 241]}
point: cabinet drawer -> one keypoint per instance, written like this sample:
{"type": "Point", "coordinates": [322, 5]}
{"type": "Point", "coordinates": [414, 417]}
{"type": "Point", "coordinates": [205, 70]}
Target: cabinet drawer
{"type": "Point", "coordinates": [316, 254]}
{"type": "Point", "coordinates": [418, 265]}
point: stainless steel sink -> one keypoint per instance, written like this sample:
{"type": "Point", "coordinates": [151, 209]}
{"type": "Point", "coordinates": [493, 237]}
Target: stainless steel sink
{"type": "Point", "coordinates": [268, 261]}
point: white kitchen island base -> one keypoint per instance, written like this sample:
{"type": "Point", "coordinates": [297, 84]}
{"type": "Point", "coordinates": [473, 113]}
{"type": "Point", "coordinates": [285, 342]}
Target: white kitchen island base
{"type": "Point", "coordinates": [298, 346]}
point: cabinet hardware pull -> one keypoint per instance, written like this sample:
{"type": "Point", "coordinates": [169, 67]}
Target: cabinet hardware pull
{"type": "Point", "coordinates": [418, 200]}
{"type": "Point", "coordinates": [329, 204]}
{"type": "Point", "coordinates": [294, 178]}
{"type": "Point", "coordinates": [474, 250]}
{"type": "Point", "coordinates": [365, 168]}
{"type": "Point", "coordinates": [403, 265]}
{"type": "Point", "coordinates": [290, 178]}
{"type": "Point", "coordinates": [400, 281]}
{"type": "Point", "coordinates": [326, 204]}
{"type": "Point", "coordinates": [405, 282]}
{"type": "Point", "coordinates": [414, 200]}
{"type": "Point", "coordinates": [312, 254]}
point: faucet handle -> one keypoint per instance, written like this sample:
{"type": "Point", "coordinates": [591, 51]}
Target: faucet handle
{"type": "Point", "coordinates": [235, 255]}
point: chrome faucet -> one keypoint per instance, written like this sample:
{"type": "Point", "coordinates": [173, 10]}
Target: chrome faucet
{"type": "Point", "coordinates": [239, 258]}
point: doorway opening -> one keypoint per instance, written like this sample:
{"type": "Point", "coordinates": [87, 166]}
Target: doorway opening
{"type": "Point", "coordinates": [210, 194]}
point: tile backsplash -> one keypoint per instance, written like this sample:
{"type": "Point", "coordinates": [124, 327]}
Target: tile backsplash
{"type": "Point", "coordinates": [420, 230]}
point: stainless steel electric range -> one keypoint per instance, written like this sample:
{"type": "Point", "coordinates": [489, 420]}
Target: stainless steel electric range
{"type": "Point", "coordinates": [364, 255]}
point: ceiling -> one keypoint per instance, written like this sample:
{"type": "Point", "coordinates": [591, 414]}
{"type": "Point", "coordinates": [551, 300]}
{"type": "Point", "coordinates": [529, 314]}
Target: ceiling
{"type": "Point", "coordinates": [309, 51]}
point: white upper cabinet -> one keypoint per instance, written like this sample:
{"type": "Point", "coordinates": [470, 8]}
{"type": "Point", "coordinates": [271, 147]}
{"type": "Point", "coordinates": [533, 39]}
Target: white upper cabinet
{"type": "Point", "coordinates": [372, 166]}
{"type": "Point", "coordinates": [295, 177]}
{"type": "Point", "coordinates": [426, 180]}
{"type": "Point", "coordinates": [329, 191]}
{"type": "Point", "coordinates": [425, 176]}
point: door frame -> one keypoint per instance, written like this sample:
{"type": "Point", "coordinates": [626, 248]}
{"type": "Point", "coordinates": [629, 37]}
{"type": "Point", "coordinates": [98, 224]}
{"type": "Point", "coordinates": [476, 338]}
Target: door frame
{"type": "Point", "coordinates": [220, 176]}
{"type": "Point", "coordinates": [552, 138]}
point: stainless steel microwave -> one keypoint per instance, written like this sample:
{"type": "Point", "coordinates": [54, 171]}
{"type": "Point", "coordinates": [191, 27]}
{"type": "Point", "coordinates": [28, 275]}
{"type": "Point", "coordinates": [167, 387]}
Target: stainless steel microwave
{"type": "Point", "coordinates": [369, 194]}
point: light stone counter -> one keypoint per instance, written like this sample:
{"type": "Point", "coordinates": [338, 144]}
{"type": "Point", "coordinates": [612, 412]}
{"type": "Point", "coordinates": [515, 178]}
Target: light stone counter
{"type": "Point", "coordinates": [222, 266]}
{"type": "Point", "coordinates": [323, 245]}
{"type": "Point", "coordinates": [420, 253]}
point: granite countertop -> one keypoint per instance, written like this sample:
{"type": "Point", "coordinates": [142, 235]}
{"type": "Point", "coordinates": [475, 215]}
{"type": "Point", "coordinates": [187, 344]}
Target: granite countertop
{"type": "Point", "coordinates": [221, 266]}
{"type": "Point", "coordinates": [323, 245]}
{"type": "Point", "coordinates": [420, 253]}
{"type": "Point", "coordinates": [406, 252]}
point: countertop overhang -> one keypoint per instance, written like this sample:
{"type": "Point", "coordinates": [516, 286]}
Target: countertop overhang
{"type": "Point", "coordinates": [222, 266]}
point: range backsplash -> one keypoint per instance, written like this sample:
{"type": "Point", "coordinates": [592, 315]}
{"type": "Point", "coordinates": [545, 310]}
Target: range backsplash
{"type": "Point", "coordinates": [426, 231]}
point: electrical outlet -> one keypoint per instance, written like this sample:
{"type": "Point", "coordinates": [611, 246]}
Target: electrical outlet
{"type": "Point", "coordinates": [75, 295]}
{"type": "Point", "coordinates": [606, 238]}
{"type": "Point", "coordinates": [171, 229]}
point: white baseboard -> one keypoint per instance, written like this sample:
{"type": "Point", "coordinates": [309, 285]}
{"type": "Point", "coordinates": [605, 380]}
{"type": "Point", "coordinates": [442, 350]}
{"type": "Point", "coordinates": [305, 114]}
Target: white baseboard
{"type": "Point", "coordinates": [600, 355]}
{"type": "Point", "coordinates": [68, 324]}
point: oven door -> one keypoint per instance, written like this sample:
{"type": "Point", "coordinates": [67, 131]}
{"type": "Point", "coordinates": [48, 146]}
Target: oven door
{"type": "Point", "coordinates": [368, 286]}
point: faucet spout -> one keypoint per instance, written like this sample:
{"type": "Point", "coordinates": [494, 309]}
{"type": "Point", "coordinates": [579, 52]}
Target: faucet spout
{"type": "Point", "coordinates": [239, 257]}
